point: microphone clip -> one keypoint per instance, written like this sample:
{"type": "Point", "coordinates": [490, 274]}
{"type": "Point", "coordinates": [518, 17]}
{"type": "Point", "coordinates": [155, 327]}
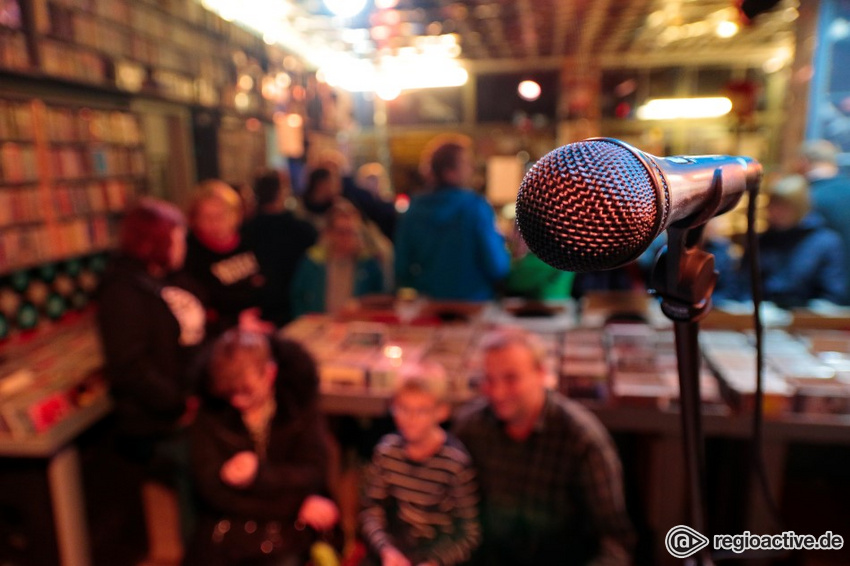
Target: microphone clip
{"type": "Point", "coordinates": [683, 275]}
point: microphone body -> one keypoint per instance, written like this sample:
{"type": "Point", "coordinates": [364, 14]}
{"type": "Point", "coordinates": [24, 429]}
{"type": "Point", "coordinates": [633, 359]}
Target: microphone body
{"type": "Point", "coordinates": [599, 203]}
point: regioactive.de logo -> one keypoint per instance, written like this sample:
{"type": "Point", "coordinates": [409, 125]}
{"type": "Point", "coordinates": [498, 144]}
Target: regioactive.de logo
{"type": "Point", "coordinates": [682, 541]}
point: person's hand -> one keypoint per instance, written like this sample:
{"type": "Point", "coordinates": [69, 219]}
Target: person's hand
{"type": "Point", "coordinates": [250, 321]}
{"type": "Point", "coordinates": [241, 469]}
{"type": "Point", "coordinates": [318, 512]}
{"type": "Point", "coordinates": [189, 412]}
{"type": "Point", "coordinates": [391, 556]}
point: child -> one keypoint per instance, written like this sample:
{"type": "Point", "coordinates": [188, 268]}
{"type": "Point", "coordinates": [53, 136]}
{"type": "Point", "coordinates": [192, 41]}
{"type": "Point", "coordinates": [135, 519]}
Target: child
{"type": "Point", "coordinates": [259, 455]}
{"type": "Point", "coordinates": [420, 495]}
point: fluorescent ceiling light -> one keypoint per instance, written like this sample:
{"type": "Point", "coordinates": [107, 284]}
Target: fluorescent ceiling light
{"type": "Point", "coordinates": [394, 75]}
{"type": "Point", "coordinates": [683, 108]}
{"type": "Point", "coordinates": [430, 65]}
{"type": "Point", "coordinates": [345, 8]}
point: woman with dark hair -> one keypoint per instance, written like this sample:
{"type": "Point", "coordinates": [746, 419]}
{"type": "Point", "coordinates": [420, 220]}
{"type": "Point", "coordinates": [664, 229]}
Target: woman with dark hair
{"type": "Point", "coordinates": [151, 326]}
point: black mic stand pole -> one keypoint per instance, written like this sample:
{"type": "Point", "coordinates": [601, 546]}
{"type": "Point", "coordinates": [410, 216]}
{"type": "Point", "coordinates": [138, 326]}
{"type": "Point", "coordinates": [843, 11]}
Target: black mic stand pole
{"type": "Point", "coordinates": [684, 278]}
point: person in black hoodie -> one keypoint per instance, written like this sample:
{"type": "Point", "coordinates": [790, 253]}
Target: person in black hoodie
{"type": "Point", "coordinates": [259, 455]}
{"type": "Point", "coordinates": [220, 259]}
{"type": "Point", "coordinates": [279, 241]}
{"type": "Point", "coordinates": [151, 327]}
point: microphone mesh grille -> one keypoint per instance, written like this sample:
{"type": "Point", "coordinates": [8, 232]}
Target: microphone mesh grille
{"type": "Point", "coordinates": [588, 206]}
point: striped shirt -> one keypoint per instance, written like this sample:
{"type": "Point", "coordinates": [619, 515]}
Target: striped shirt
{"type": "Point", "coordinates": [554, 498]}
{"type": "Point", "coordinates": [428, 509]}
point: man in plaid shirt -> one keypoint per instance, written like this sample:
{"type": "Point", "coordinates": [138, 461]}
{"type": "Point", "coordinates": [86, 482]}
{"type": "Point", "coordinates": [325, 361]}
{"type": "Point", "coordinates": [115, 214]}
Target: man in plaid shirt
{"type": "Point", "coordinates": [549, 474]}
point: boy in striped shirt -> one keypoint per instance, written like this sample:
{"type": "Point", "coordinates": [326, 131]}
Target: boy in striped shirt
{"type": "Point", "coordinates": [420, 496]}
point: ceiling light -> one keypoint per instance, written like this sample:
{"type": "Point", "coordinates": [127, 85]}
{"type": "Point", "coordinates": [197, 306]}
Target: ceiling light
{"type": "Point", "coordinates": [345, 8]}
{"type": "Point", "coordinates": [839, 30]}
{"type": "Point", "coordinates": [726, 29]}
{"type": "Point", "coordinates": [387, 89]}
{"type": "Point", "coordinates": [684, 108]}
{"type": "Point", "coordinates": [529, 90]}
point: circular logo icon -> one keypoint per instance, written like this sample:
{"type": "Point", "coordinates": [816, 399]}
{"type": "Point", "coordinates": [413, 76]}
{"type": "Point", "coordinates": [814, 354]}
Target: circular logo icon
{"type": "Point", "coordinates": [682, 541]}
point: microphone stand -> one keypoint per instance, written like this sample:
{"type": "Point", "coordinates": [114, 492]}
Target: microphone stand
{"type": "Point", "coordinates": [684, 278]}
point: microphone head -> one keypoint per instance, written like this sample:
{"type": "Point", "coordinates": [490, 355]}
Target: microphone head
{"type": "Point", "coordinates": [590, 205]}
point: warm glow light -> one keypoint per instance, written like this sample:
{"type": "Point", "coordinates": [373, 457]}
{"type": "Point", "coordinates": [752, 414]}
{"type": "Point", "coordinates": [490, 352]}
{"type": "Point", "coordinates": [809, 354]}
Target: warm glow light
{"type": "Point", "coordinates": [294, 120]}
{"type": "Point", "coordinates": [246, 82]}
{"type": "Point", "coordinates": [242, 101]}
{"type": "Point", "coordinates": [387, 89]}
{"type": "Point", "coordinates": [431, 66]}
{"type": "Point", "coordinates": [253, 125]}
{"type": "Point", "coordinates": [345, 8]}
{"type": "Point", "coordinates": [726, 29]}
{"type": "Point", "coordinates": [679, 108]}
{"type": "Point", "coordinates": [381, 33]}
{"type": "Point", "coordinates": [393, 352]}
{"type": "Point", "coordinates": [402, 203]}
{"type": "Point", "coordinates": [528, 90]}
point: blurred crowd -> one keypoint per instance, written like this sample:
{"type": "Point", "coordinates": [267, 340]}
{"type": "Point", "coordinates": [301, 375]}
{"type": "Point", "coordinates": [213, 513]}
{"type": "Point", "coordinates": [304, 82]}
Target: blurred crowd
{"type": "Point", "coordinates": [222, 415]}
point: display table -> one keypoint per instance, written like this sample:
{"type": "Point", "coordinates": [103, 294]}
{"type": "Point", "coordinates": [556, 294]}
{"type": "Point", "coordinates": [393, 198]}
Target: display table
{"type": "Point", "coordinates": [625, 374]}
{"type": "Point", "coordinates": [49, 395]}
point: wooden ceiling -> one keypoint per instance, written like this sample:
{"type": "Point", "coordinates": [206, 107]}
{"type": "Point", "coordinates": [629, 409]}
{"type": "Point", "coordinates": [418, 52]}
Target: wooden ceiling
{"type": "Point", "coordinates": [496, 33]}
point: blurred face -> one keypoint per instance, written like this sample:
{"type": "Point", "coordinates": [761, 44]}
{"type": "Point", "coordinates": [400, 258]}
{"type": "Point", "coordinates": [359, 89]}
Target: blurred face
{"type": "Point", "coordinates": [781, 215]}
{"type": "Point", "coordinates": [513, 383]}
{"type": "Point", "coordinates": [417, 414]}
{"type": "Point", "coordinates": [177, 251]}
{"type": "Point", "coordinates": [255, 388]}
{"type": "Point", "coordinates": [462, 173]}
{"type": "Point", "coordinates": [215, 221]}
{"type": "Point", "coordinates": [344, 236]}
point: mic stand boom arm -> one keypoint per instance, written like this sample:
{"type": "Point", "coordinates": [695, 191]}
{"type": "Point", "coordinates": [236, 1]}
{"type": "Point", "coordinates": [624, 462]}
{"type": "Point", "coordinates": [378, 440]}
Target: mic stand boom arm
{"type": "Point", "coordinates": [684, 278]}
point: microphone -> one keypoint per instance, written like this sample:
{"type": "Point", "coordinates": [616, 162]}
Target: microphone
{"type": "Point", "coordinates": [599, 203]}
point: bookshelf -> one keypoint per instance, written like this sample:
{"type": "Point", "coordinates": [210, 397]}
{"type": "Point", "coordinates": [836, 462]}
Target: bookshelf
{"type": "Point", "coordinates": [66, 174]}
{"type": "Point", "coordinates": [14, 52]}
{"type": "Point", "coordinates": [173, 49]}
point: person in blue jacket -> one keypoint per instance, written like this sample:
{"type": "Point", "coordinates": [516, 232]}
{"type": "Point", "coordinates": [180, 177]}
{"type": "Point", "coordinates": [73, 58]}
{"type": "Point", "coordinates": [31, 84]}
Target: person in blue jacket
{"type": "Point", "coordinates": [339, 268]}
{"type": "Point", "coordinates": [830, 191]}
{"type": "Point", "coordinates": [447, 243]}
{"type": "Point", "coordinates": [801, 259]}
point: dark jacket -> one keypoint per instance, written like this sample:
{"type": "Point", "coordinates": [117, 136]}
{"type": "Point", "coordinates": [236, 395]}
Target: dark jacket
{"type": "Point", "coordinates": [381, 212]}
{"type": "Point", "coordinates": [296, 463]}
{"type": "Point", "coordinates": [800, 264]}
{"type": "Point", "coordinates": [829, 199]}
{"type": "Point", "coordinates": [279, 241]}
{"type": "Point", "coordinates": [148, 352]}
